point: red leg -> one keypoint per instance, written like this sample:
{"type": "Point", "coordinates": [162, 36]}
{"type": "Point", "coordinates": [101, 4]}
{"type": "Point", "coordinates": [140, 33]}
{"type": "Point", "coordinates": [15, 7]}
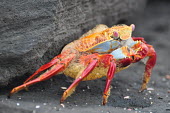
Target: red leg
{"type": "Point", "coordinates": [55, 69]}
{"type": "Point", "coordinates": [42, 68]}
{"type": "Point", "coordinates": [110, 76]}
{"type": "Point", "coordinates": [54, 61]}
{"type": "Point", "coordinates": [149, 66]}
{"type": "Point", "coordinates": [142, 51]}
{"type": "Point", "coordinates": [85, 73]}
{"type": "Point", "coordinates": [59, 67]}
{"type": "Point", "coordinates": [139, 39]}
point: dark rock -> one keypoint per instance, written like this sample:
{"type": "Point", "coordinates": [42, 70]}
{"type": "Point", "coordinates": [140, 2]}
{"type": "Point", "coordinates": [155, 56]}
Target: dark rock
{"type": "Point", "coordinates": [32, 32]}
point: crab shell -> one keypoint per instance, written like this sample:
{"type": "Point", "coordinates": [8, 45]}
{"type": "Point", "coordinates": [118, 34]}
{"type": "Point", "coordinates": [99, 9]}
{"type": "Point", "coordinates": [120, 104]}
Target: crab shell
{"type": "Point", "coordinates": [96, 43]}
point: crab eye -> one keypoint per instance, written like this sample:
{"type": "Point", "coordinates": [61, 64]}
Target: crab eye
{"type": "Point", "coordinates": [115, 35]}
{"type": "Point", "coordinates": [133, 27]}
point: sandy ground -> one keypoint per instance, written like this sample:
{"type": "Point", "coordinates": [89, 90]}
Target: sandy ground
{"type": "Point", "coordinates": [44, 97]}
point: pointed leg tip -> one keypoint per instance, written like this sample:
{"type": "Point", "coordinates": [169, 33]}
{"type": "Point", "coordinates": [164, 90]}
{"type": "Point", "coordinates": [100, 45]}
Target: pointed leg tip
{"type": "Point", "coordinates": [62, 99]}
{"type": "Point", "coordinates": [103, 103]}
{"type": "Point", "coordinates": [142, 89]}
{"type": "Point", "coordinates": [104, 100]}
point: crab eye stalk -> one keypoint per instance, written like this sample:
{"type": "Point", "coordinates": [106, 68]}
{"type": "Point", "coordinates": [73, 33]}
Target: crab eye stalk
{"type": "Point", "coordinates": [133, 27]}
{"type": "Point", "coordinates": [115, 35]}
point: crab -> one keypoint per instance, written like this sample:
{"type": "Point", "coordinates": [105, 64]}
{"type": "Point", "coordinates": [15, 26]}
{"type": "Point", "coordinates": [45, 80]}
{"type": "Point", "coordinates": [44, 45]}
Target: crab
{"type": "Point", "coordinates": [100, 52]}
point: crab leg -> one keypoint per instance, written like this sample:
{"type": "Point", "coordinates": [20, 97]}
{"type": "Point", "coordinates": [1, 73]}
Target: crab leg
{"type": "Point", "coordinates": [59, 67]}
{"type": "Point", "coordinates": [138, 50]}
{"type": "Point", "coordinates": [84, 74]}
{"type": "Point", "coordinates": [48, 65]}
{"type": "Point", "coordinates": [43, 77]}
{"type": "Point", "coordinates": [110, 76]}
{"type": "Point", "coordinates": [144, 50]}
{"type": "Point", "coordinates": [149, 66]}
{"type": "Point", "coordinates": [139, 39]}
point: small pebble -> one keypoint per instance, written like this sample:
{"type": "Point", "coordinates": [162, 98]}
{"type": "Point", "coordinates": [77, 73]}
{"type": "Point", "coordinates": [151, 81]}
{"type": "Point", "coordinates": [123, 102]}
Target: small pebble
{"type": "Point", "coordinates": [88, 87]}
{"type": "Point", "coordinates": [64, 88]}
{"type": "Point", "coordinates": [62, 105]}
{"type": "Point", "coordinates": [19, 98]}
{"type": "Point", "coordinates": [37, 106]}
{"type": "Point", "coordinates": [150, 98]}
{"type": "Point", "coordinates": [151, 102]}
{"type": "Point", "coordinates": [18, 104]}
{"type": "Point", "coordinates": [150, 89]}
{"type": "Point", "coordinates": [127, 97]}
{"type": "Point", "coordinates": [129, 109]}
{"type": "Point", "coordinates": [127, 89]}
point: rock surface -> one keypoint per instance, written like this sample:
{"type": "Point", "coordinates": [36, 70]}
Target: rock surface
{"type": "Point", "coordinates": [32, 32]}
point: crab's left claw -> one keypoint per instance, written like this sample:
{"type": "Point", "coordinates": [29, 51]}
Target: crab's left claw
{"type": "Point", "coordinates": [144, 50]}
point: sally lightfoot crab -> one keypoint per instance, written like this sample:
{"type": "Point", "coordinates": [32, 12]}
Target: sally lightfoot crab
{"type": "Point", "coordinates": [100, 52]}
